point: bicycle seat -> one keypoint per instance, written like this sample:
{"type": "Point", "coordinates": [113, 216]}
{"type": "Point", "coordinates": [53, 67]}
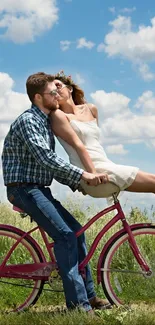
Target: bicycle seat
{"type": "Point", "coordinates": [18, 209]}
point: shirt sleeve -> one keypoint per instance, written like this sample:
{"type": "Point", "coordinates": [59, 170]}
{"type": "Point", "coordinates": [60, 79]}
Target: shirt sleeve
{"type": "Point", "coordinates": [33, 134]}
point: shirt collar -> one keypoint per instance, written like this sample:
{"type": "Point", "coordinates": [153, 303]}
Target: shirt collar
{"type": "Point", "coordinates": [40, 113]}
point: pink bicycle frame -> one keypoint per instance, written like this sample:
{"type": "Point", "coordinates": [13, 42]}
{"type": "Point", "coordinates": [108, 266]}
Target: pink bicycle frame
{"type": "Point", "coordinates": [44, 269]}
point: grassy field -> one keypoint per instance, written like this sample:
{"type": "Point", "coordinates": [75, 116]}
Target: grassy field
{"type": "Point", "coordinates": [50, 307]}
{"type": "Point", "coordinates": [140, 315]}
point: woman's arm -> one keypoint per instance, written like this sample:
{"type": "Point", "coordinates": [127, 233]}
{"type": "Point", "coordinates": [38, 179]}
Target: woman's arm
{"type": "Point", "coordinates": [62, 128]}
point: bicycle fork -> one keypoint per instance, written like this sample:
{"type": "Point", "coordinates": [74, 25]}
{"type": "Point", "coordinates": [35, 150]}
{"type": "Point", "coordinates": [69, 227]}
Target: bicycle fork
{"type": "Point", "coordinates": [133, 245]}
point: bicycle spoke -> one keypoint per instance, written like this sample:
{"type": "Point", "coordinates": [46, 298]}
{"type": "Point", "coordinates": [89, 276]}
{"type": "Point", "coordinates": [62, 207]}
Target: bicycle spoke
{"type": "Point", "coordinates": [122, 278]}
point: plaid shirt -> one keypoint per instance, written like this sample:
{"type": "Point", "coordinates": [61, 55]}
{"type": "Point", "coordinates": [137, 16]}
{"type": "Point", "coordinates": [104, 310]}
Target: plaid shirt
{"type": "Point", "coordinates": [28, 153]}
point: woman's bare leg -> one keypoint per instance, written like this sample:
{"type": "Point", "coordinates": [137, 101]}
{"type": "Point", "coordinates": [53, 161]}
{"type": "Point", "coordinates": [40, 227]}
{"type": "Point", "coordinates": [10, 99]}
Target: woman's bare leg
{"type": "Point", "coordinates": [144, 182]}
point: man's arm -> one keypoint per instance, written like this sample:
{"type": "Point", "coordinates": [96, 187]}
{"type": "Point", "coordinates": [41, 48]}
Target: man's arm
{"type": "Point", "coordinates": [30, 132]}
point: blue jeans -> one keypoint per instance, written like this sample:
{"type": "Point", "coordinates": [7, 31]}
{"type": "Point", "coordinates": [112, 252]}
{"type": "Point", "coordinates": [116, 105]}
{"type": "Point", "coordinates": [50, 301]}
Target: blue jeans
{"type": "Point", "coordinates": [61, 226]}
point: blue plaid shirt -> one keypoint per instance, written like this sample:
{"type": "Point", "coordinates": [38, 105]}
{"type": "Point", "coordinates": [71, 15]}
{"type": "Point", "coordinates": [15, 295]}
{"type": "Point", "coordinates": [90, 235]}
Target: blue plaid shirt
{"type": "Point", "coordinates": [28, 153]}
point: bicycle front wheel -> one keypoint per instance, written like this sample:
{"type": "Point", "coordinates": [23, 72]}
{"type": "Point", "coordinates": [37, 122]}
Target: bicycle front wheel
{"type": "Point", "coordinates": [122, 278]}
{"type": "Point", "coordinates": [18, 294]}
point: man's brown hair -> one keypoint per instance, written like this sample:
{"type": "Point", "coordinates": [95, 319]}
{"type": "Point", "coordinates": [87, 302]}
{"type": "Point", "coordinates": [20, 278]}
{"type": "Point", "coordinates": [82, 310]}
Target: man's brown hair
{"type": "Point", "coordinates": [36, 84]}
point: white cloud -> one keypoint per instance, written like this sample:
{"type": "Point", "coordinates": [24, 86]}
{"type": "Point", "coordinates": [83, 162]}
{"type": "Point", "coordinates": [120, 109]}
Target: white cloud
{"type": "Point", "coordinates": [121, 23]}
{"type": "Point", "coordinates": [137, 128]}
{"type": "Point", "coordinates": [136, 46]}
{"type": "Point", "coordinates": [119, 124]}
{"type": "Point", "coordinates": [146, 102]}
{"type": "Point", "coordinates": [11, 103]}
{"type": "Point", "coordinates": [128, 10]}
{"type": "Point", "coordinates": [82, 42]}
{"type": "Point", "coordinates": [65, 45]}
{"type": "Point", "coordinates": [79, 79]}
{"type": "Point", "coordinates": [145, 72]}
{"type": "Point", "coordinates": [21, 21]}
{"type": "Point", "coordinates": [110, 103]}
{"type": "Point", "coordinates": [117, 149]}
{"type": "Point", "coordinates": [123, 10]}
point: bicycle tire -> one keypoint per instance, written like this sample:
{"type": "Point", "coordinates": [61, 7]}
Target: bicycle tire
{"type": "Point", "coordinates": [27, 248]}
{"type": "Point", "coordinates": [119, 275]}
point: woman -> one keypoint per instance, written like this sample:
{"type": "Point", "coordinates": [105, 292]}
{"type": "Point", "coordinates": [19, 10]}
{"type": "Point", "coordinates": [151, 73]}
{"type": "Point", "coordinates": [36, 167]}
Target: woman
{"type": "Point", "coordinates": [76, 126]}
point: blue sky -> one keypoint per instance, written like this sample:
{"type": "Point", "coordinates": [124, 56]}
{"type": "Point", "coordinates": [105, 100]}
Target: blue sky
{"type": "Point", "coordinates": [109, 49]}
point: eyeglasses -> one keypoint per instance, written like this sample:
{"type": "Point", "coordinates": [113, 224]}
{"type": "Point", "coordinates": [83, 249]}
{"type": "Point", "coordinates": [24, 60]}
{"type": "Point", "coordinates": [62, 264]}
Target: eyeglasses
{"type": "Point", "coordinates": [56, 91]}
{"type": "Point", "coordinates": [52, 93]}
{"type": "Point", "coordinates": [60, 86]}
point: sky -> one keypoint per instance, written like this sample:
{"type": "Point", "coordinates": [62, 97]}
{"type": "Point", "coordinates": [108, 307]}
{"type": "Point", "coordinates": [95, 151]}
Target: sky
{"type": "Point", "coordinates": [108, 47]}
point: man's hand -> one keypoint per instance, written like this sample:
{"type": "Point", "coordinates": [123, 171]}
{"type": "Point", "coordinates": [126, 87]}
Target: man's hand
{"type": "Point", "coordinates": [94, 179]}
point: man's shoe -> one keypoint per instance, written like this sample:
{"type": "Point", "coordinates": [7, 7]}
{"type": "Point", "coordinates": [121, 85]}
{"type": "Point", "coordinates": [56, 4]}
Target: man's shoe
{"type": "Point", "coordinates": [91, 312]}
{"type": "Point", "coordinates": [98, 303]}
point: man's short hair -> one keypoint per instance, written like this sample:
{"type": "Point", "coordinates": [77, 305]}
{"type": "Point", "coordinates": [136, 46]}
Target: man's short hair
{"type": "Point", "coordinates": [36, 84]}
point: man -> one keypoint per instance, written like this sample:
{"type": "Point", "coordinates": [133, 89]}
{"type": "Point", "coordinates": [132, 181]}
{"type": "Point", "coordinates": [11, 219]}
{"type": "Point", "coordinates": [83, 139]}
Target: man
{"type": "Point", "coordinates": [29, 166]}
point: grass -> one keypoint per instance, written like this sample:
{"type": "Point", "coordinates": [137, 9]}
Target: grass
{"type": "Point", "coordinates": [49, 309]}
{"type": "Point", "coordinates": [139, 315]}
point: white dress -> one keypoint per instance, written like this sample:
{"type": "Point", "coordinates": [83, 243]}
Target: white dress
{"type": "Point", "coordinates": [120, 176]}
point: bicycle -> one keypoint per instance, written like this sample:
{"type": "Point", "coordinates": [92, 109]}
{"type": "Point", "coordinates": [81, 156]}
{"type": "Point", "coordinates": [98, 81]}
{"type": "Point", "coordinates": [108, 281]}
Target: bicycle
{"type": "Point", "coordinates": [123, 280]}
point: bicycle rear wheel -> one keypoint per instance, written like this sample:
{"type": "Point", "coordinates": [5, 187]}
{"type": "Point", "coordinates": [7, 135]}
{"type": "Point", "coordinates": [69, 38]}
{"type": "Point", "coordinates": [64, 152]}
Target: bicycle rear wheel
{"type": "Point", "coordinates": [18, 294]}
{"type": "Point", "coordinates": [122, 279]}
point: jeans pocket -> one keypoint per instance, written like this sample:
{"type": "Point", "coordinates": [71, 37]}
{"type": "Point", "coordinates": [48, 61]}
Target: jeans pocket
{"type": "Point", "coordinates": [11, 194]}
{"type": "Point", "coordinates": [15, 197]}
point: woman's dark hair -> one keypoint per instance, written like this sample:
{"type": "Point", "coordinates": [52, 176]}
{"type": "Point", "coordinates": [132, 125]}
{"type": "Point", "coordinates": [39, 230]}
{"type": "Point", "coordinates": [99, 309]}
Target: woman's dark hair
{"type": "Point", "coordinates": [36, 84]}
{"type": "Point", "coordinates": [78, 93]}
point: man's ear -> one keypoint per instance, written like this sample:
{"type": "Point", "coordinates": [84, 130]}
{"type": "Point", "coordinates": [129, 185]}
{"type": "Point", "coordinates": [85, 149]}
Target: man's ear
{"type": "Point", "coordinates": [37, 97]}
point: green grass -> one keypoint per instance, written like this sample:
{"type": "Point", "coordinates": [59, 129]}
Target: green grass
{"type": "Point", "coordinates": [139, 315]}
{"type": "Point", "coordinates": [50, 306]}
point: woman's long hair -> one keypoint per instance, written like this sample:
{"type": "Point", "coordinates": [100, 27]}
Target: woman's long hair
{"type": "Point", "coordinates": [77, 94]}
